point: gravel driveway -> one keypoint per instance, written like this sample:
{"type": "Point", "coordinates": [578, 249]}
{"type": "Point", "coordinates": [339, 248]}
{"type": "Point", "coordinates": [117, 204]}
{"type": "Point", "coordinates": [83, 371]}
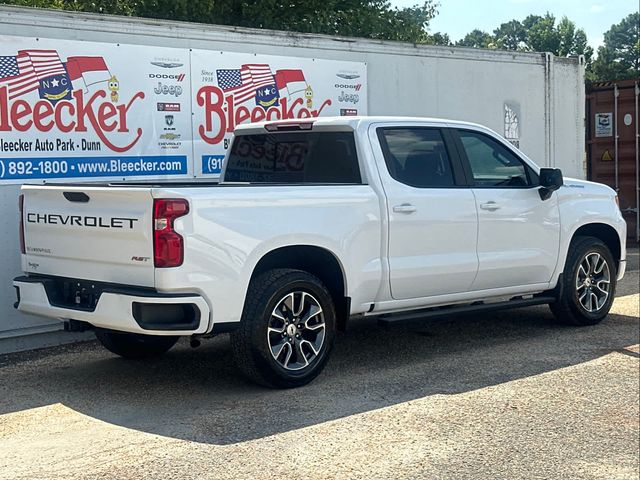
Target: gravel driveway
{"type": "Point", "coordinates": [509, 395]}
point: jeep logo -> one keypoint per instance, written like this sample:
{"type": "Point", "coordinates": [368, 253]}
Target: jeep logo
{"type": "Point", "coordinates": [164, 89]}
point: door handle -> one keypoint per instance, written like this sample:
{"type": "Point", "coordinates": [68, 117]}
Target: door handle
{"type": "Point", "coordinates": [405, 208]}
{"type": "Point", "coordinates": [491, 206]}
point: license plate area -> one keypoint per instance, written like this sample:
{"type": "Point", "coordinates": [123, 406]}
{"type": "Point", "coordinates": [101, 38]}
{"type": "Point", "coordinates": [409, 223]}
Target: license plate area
{"type": "Point", "coordinates": [74, 294]}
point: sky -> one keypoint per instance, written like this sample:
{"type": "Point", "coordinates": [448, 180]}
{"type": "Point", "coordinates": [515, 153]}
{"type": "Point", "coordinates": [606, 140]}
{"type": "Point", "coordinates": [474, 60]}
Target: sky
{"type": "Point", "coordinates": [459, 17]}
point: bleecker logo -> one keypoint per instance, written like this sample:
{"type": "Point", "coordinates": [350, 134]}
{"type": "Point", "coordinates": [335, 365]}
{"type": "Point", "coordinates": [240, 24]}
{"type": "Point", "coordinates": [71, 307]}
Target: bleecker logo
{"type": "Point", "coordinates": [355, 87]}
{"type": "Point", "coordinates": [163, 76]}
{"type": "Point", "coordinates": [69, 99]}
{"type": "Point", "coordinates": [253, 93]}
{"type": "Point", "coordinates": [69, 116]}
{"type": "Point", "coordinates": [225, 115]}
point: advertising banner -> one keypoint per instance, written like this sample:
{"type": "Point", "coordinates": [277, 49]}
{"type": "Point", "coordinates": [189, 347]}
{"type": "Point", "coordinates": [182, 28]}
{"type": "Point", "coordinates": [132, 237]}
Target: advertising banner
{"type": "Point", "coordinates": [234, 88]}
{"type": "Point", "coordinates": [74, 110]}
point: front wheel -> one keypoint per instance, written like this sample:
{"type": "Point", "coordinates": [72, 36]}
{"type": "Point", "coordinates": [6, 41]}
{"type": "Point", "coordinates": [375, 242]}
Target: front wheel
{"type": "Point", "coordinates": [287, 329]}
{"type": "Point", "coordinates": [132, 345]}
{"type": "Point", "coordinates": [588, 283]}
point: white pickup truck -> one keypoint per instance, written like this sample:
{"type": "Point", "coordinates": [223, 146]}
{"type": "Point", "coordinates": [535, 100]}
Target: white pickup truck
{"type": "Point", "coordinates": [314, 222]}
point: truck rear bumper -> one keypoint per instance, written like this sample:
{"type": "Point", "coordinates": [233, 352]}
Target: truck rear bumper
{"type": "Point", "coordinates": [127, 310]}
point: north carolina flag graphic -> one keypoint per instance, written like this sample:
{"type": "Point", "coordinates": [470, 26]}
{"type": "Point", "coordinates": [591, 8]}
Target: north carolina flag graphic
{"type": "Point", "coordinates": [90, 69]}
{"type": "Point", "coordinates": [292, 80]}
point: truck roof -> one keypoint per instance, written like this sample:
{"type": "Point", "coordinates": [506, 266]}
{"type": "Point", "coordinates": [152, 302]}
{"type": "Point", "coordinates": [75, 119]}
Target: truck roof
{"type": "Point", "coordinates": [352, 122]}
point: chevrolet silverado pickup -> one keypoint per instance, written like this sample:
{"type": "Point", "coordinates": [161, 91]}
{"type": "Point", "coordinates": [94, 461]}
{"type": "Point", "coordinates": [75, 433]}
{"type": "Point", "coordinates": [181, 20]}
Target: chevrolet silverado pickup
{"type": "Point", "coordinates": [314, 222]}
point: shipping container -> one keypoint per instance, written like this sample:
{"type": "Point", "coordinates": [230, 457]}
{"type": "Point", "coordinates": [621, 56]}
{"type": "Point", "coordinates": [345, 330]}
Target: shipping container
{"type": "Point", "coordinates": [612, 144]}
{"type": "Point", "coordinates": [535, 100]}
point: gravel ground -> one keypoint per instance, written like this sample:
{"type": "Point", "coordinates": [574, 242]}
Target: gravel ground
{"type": "Point", "coordinates": [509, 395]}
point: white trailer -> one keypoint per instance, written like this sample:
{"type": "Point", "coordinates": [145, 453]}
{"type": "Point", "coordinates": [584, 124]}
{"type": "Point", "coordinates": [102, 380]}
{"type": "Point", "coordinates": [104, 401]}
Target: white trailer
{"type": "Point", "coordinates": [535, 99]}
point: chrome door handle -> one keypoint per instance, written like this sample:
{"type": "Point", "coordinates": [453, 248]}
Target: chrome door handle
{"type": "Point", "coordinates": [491, 206]}
{"type": "Point", "coordinates": [404, 208]}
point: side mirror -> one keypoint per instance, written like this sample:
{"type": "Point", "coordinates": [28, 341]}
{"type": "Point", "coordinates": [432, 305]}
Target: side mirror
{"type": "Point", "coordinates": [550, 181]}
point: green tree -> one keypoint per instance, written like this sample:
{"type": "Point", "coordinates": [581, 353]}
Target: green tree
{"type": "Point", "coordinates": [510, 35]}
{"type": "Point", "coordinates": [439, 38]}
{"type": "Point", "coordinates": [542, 34]}
{"type": "Point", "coordinates": [477, 39]}
{"type": "Point", "coordinates": [361, 18]}
{"type": "Point", "coordinates": [536, 34]}
{"type": "Point", "coordinates": [563, 39]}
{"type": "Point", "coordinates": [619, 57]}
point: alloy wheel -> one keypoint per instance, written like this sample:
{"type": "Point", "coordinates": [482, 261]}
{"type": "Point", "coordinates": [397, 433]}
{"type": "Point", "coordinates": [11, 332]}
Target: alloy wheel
{"type": "Point", "coordinates": [296, 330]}
{"type": "Point", "coordinates": [593, 282]}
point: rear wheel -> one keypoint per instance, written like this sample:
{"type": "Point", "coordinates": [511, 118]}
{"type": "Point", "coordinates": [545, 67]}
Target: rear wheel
{"type": "Point", "coordinates": [589, 282]}
{"type": "Point", "coordinates": [132, 345]}
{"type": "Point", "coordinates": [287, 329]}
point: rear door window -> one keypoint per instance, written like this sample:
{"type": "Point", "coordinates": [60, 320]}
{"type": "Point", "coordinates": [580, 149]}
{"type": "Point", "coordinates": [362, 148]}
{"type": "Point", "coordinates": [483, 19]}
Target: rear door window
{"type": "Point", "coordinates": [417, 156]}
{"type": "Point", "coordinates": [294, 157]}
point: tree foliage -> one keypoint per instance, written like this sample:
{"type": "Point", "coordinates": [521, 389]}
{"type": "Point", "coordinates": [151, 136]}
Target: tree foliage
{"type": "Point", "coordinates": [439, 38]}
{"type": "Point", "coordinates": [510, 36]}
{"type": "Point", "coordinates": [360, 18]}
{"type": "Point", "coordinates": [619, 57]}
{"type": "Point", "coordinates": [477, 39]}
{"type": "Point", "coordinates": [535, 33]}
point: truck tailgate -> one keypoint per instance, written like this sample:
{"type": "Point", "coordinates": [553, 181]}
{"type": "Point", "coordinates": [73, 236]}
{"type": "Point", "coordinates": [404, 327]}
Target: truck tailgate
{"type": "Point", "coordinates": [99, 233]}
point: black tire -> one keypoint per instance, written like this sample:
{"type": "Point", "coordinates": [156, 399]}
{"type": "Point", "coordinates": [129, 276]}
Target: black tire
{"type": "Point", "coordinates": [134, 346]}
{"type": "Point", "coordinates": [252, 343]}
{"type": "Point", "coordinates": [568, 309]}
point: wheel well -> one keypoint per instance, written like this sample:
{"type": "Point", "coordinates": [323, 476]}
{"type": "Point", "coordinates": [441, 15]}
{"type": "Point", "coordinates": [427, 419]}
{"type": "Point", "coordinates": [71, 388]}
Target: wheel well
{"type": "Point", "coordinates": [317, 261]}
{"type": "Point", "coordinates": [605, 233]}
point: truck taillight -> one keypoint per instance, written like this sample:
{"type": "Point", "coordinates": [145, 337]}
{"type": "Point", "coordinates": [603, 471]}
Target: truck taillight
{"type": "Point", "coordinates": [168, 245]}
{"type": "Point", "coordinates": [21, 208]}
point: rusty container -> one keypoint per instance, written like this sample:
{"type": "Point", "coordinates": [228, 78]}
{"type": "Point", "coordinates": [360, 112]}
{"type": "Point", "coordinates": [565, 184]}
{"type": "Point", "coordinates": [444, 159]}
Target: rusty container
{"type": "Point", "coordinates": [612, 144]}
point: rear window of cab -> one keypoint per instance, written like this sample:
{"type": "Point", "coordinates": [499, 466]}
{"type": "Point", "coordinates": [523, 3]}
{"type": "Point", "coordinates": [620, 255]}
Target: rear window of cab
{"type": "Point", "coordinates": [294, 158]}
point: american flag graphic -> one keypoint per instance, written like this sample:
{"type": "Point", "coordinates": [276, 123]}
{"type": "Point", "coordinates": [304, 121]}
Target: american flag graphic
{"type": "Point", "coordinates": [22, 73]}
{"type": "Point", "coordinates": [9, 67]}
{"type": "Point", "coordinates": [244, 82]}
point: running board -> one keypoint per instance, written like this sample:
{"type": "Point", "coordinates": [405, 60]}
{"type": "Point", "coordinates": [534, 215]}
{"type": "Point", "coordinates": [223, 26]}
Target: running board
{"type": "Point", "coordinates": [438, 313]}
